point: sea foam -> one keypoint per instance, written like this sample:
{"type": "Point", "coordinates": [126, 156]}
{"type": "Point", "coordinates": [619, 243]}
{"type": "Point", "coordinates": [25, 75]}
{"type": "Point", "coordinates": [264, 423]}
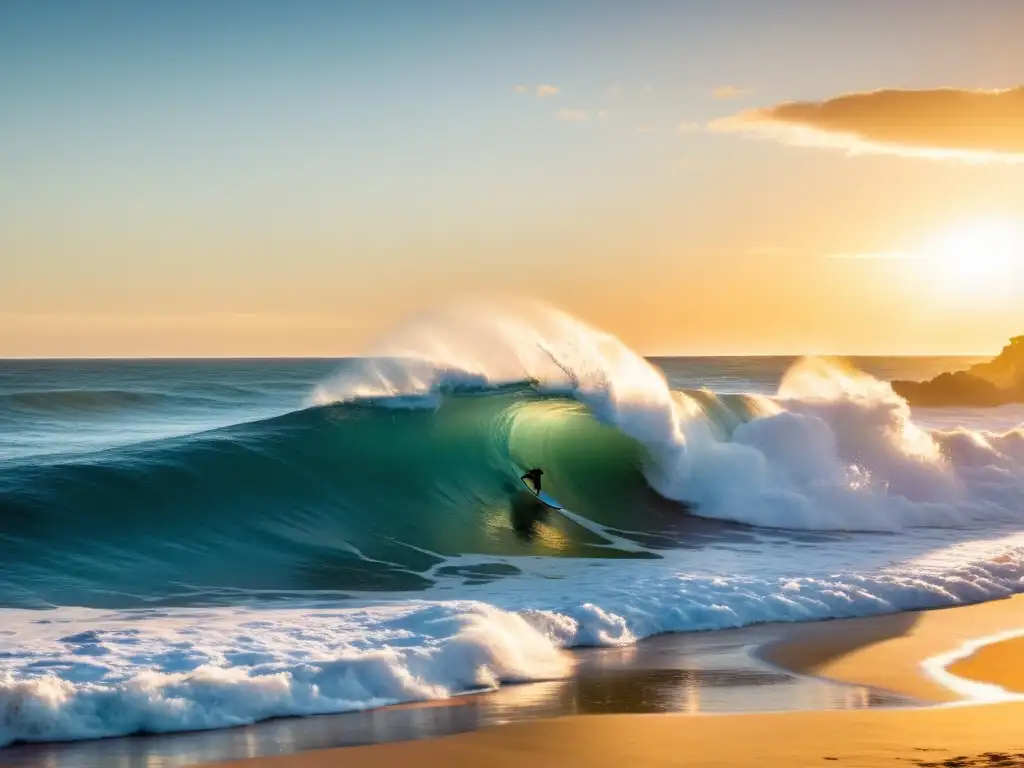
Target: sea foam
{"type": "Point", "coordinates": [80, 674]}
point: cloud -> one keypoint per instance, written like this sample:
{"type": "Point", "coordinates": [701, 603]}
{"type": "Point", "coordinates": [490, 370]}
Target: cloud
{"type": "Point", "coordinates": [687, 126]}
{"type": "Point", "coordinates": [572, 115]}
{"type": "Point", "coordinates": [647, 129]}
{"type": "Point", "coordinates": [615, 90]}
{"type": "Point", "coordinates": [542, 91]}
{"type": "Point", "coordinates": [937, 123]}
{"type": "Point", "coordinates": [725, 92]}
{"type": "Point", "coordinates": [768, 250]}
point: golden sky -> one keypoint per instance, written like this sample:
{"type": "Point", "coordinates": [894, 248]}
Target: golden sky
{"type": "Point", "coordinates": [697, 179]}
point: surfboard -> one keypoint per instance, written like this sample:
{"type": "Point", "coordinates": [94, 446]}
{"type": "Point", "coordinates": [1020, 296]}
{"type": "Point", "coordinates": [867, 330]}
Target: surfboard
{"type": "Point", "coordinates": [543, 497]}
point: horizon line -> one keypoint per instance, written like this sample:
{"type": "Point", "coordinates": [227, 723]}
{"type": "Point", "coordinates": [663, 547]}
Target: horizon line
{"type": "Point", "coordinates": [658, 356]}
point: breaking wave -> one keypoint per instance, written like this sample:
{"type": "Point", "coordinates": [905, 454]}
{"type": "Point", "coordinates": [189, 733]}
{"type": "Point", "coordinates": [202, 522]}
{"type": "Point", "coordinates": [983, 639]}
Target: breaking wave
{"type": "Point", "coordinates": [301, 564]}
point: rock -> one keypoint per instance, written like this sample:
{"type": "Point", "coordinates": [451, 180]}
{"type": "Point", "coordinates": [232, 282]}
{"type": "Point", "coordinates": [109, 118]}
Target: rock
{"type": "Point", "coordinates": [997, 382]}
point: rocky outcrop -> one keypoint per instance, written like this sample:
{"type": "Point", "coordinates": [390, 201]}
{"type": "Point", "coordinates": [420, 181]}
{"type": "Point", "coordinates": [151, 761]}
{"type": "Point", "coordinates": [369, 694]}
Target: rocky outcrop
{"type": "Point", "coordinates": [997, 382]}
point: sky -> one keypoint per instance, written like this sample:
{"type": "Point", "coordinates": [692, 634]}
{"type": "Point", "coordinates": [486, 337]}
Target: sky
{"type": "Point", "coordinates": [741, 177]}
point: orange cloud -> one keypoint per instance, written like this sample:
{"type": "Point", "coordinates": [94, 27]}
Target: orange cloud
{"type": "Point", "coordinates": [940, 122]}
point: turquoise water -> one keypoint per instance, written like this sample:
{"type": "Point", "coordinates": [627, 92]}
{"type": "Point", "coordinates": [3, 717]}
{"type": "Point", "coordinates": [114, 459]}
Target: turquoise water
{"type": "Point", "coordinates": [197, 477]}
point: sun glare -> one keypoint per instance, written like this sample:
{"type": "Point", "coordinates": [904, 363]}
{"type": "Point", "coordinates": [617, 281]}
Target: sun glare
{"type": "Point", "coordinates": [980, 257]}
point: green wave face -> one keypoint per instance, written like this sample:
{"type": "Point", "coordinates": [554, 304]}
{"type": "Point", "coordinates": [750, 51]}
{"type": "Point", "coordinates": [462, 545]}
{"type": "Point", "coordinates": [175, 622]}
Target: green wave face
{"type": "Point", "coordinates": [344, 497]}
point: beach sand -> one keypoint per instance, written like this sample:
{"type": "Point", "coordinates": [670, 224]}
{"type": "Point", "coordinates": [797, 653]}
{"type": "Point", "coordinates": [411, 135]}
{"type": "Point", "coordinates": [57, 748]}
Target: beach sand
{"type": "Point", "coordinates": [954, 737]}
{"type": "Point", "coordinates": [887, 652]}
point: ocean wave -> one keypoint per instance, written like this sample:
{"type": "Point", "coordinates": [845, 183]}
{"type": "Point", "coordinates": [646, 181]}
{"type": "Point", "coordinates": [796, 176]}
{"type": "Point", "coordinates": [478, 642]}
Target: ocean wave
{"type": "Point", "coordinates": [409, 457]}
{"type": "Point", "coordinates": [230, 575]}
{"type": "Point", "coordinates": [69, 404]}
{"type": "Point", "coordinates": [843, 452]}
{"type": "Point", "coordinates": [345, 497]}
{"type": "Point", "coordinates": [834, 450]}
{"type": "Point", "coordinates": [82, 400]}
{"type": "Point", "coordinates": [95, 674]}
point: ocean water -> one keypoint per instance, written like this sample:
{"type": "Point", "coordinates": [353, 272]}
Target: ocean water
{"type": "Point", "coordinates": [202, 544]}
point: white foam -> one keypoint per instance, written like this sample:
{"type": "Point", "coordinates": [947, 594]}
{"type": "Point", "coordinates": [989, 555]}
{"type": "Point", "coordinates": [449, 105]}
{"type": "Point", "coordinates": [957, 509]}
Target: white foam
{"type": "Point", "coordinates": [843, 453]}
{"type": "Point", "coordinates": [77, 673]}
{"type": "Point", "coordinates": [972, 691]}
{"type": "Point", "coordinates": [142, 672]}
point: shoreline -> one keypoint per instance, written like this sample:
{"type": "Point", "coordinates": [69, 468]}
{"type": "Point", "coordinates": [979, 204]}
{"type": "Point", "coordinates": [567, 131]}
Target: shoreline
{"type": "Point", "coordinates": [840, 675]}
{"type": "Point", "coordinates": [711, 672]}
{"type": "Point", "coordinates": [900, 652]}
{"type": "Point", "coordinates": [895, 653]}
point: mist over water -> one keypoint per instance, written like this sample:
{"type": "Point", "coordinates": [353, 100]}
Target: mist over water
{"type": "Point", "coordinates": [189, 544]}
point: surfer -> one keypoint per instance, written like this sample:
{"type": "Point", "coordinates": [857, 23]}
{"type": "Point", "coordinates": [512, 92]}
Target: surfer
{"type": "Point", "coordinates": [534, 477]}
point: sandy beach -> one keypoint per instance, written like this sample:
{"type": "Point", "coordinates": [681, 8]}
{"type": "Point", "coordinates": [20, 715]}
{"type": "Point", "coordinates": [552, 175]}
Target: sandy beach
{"type": "Point", "coordinates": [888, 652]}
{"type": "Point", "coordinates": [988, 735]}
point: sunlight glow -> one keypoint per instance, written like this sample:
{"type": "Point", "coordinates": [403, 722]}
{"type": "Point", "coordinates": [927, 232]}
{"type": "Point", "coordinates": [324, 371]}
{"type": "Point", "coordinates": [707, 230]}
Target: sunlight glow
{"type": "Point", "coordinates": [979, 258]}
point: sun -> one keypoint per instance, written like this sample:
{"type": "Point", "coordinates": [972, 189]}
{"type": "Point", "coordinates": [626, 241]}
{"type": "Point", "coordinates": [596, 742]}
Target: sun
{"type": "Point", "coordinates": [980, 257]}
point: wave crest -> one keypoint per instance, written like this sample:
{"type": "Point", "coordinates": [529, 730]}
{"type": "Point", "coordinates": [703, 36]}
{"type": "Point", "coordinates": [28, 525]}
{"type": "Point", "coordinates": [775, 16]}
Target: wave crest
{"type": "Point", "coordinates": [835, 449]}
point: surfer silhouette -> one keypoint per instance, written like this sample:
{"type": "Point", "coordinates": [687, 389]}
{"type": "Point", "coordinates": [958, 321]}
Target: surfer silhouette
{"type": "Point", "coordinates": [534, 477]}
{"type": "Point", "coordinates": [526, 514]}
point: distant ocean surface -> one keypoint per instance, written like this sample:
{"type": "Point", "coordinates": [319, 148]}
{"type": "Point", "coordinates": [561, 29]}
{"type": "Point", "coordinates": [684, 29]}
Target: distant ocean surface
{"type": "Point", "coordinates": [203, 543]}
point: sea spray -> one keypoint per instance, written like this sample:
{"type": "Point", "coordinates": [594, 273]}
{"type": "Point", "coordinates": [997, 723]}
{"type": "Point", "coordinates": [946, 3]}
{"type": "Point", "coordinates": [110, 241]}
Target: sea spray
{"type": "Point", "coordinates": [836, 450]}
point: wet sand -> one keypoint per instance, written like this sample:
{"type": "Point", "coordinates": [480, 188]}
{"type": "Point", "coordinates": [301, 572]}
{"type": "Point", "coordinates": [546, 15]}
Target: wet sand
{"type": "Point", "coordinates": [889, 652]}
{"type": "Point", "coordinates": [960, 737]}
{"type": "Point", "coordinates": [970, 736]}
